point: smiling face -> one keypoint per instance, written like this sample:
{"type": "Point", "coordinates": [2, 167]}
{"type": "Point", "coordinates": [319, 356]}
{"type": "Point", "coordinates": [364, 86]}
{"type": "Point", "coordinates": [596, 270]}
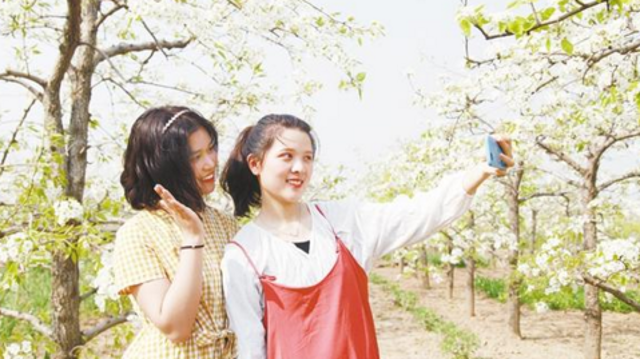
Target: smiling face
{"type": "Point", "coordinates": [203, 159]}
{"type": "Point", "coordinates": [286, 168]}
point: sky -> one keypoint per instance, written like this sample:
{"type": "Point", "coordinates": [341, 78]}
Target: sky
{"type": "Point", "coordinates": [421, 37]}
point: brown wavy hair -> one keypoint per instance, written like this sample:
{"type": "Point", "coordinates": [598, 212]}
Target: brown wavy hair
{"type": "Point", "coordinates": [156, 155]}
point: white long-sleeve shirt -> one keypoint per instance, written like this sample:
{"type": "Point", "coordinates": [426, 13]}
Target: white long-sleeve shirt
{"type": "Point", "coordinates": [368, 230]}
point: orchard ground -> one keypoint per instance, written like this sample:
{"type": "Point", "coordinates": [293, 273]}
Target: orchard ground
{"type": "Point", "coordinates": [549, 335]}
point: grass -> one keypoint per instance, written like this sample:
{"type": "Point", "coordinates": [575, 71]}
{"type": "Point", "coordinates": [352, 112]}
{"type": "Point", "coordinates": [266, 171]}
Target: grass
{"type": "Point", "coordinates": [33, 300]}
{"type": "Point", "coordinates": [459, 343]}
{"type": "Point", "coordinates": [34, 297]}
{"type": "Point", "coordinates": [563, 300]}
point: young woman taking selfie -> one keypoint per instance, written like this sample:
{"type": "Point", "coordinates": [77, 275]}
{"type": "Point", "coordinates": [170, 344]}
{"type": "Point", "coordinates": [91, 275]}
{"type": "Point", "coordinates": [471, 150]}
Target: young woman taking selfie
{"type": "Point", "coordinates": [295, 277]}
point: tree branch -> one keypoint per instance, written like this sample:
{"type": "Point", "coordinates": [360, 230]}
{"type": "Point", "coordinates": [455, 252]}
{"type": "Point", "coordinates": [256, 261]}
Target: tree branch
{"type": "Point", "coordinates": [543, 194]}
{"type": "Point", "coordinates": [124, 48]}
{"type": "Point", "coordinates": [71, 39]}
{"type": "Point", "coordinates": [88, 294]}
{"type": "Point", "coordinates": [14, 135]}
{"type": "Point", "coordinates": [13, 73]}
{"type": "Point", "coordinates": [127, 92]}
{"type": "Point", "coordinates": [597, 282]}
{"type": "Point", "coordinates": [37, 94]}
{"type": "Point", "coordinates": [104, 17]}
{"type": "Point", "coordinates": [621, 50]}
{"type": "Point", "coordinates": [37, 324]}
{"type": "Point", "coordinates": [103, 326]}
{"type": "Point", "coordinates": [540, 25]}
{"type": "Point", "coordinates": [561, 156]}
{"type": "Point", "coordinates": [629, 175]}
{"type": "Point", "coordinates": [535, 14]}
{"type": "Point", "coordinates": [611, 140]}
{"type": "Point", "coordinates": [153, 36]}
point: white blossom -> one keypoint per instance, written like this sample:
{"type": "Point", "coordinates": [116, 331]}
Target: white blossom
{"type": "Point", "coordinates": [104, 281]}
{"type": "Point", "coordinates": [19, 351]}
{"type": "Point", "coordinates": [66, 210]}
{"type": "Point", "coordinates": [541, 307]}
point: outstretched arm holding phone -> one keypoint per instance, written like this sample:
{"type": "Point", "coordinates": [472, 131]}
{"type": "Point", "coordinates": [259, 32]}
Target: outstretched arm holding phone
{"type": "Point", "coordinates": [478, 174]}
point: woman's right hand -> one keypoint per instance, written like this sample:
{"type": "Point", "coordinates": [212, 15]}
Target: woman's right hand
{"type": "Point", "coordinates": [188, 221]}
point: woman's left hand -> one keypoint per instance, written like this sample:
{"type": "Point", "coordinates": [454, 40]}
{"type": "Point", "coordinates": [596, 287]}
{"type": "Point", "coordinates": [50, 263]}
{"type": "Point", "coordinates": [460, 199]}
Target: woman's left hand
{"type": "Point", "coordinates": [507, 156]}
{"type": "Point", "coordinates": [475, 176]}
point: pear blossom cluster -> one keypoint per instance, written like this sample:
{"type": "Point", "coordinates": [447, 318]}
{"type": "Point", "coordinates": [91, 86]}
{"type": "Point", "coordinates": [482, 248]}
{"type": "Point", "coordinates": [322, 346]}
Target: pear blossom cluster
{"type": "Point", "coordinates": [21, 350]}
{"type": "Point", "coordinates": [104, 281]}
{"type": "Point", "coordinates": [66, 210]}
{"type": "Point", "coordinates": [615, 256]}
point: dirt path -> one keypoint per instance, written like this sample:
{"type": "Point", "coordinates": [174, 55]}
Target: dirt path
{"type": "Point", "coordinates": [399, 336]}
{"type": "Point", "coordinates": [548, 335]}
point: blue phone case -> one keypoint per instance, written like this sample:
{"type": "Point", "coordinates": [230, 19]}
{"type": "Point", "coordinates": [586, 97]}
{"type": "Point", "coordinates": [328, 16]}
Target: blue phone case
{"type": "Point", "coordinates": [493, 154]}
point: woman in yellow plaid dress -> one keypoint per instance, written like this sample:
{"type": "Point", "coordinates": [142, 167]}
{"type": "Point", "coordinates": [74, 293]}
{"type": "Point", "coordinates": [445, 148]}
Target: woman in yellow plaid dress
{"type": "Point", "coordinates": [167, 257]}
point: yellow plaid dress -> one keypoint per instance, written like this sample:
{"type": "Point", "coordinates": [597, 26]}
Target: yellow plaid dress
{"type": "Point", "coordinates": [147, 248]}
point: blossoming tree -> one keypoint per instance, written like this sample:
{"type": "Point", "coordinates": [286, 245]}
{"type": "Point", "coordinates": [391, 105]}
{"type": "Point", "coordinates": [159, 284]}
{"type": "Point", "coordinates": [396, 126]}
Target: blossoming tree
{"type": "Point", "coordinates": [87, 65]}
{"type": "Point", "coordinates": [567, 82]}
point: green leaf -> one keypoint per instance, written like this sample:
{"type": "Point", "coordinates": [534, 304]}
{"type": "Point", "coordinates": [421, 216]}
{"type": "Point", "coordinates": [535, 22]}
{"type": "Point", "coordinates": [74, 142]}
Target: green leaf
{"type": "Point", "coordinates": [361, 76]}
{"type": "Point", "coordinates": [567, 46]}
{"type": "Point", "coordinates": [502, 26]}
{"type": "Point", "coordinates": [547, 44]}
{"type": "Point", "coordinates": [465, 25]}
{"type": "Point", "coordinates": [516, 26]}
{"type": "Point", "coordinates": [529, 24]}
{"type": "Point", "coordinates": [257, 69]}
{"type": "Point", "coordinates": [547, 13]}
{"type": "Point", "coordinates": [93, 123]}
{"type": "Point", "coordinates": [238, 4]}
{"type": "Point", "coordinates": [562, 5]}
{"type": "Point", "coordinates": [514, 4]}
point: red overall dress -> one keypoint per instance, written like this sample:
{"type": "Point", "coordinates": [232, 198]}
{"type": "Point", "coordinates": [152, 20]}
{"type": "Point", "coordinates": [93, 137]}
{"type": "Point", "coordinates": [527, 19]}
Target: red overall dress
{"type": "Point", "coordinates": [329, 320]}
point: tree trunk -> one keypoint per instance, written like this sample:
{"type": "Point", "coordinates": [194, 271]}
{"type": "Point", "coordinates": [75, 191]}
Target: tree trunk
{"type": "Point", "coordinates": [513, 291]}
{"type": "Point", "coordinates": [76, 161]}
{"type": "Point", "coordinates": [534, 230]}
{"type": "Point", "coordinates": [424, 267]}
{"type": "Point", "coordinates": [592, 309]}
{"type": "Point", "coordinates": [65, 303]}
{"type": "Point", "coordinates": [471, 286]}
{"type": "Point", "coordinates": [450, 280]}
{"type": "Point", "coordinates": [65, 296]}
{"type": "Point", "coordinates": [451, 267]}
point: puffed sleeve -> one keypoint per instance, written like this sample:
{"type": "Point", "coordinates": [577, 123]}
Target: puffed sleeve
{"type": "Point", "coordinates": [135, 259]}
{"type": "Point", "coordinates": [375, 229]}
{"type": "Point", "coordinates": [406, 221]}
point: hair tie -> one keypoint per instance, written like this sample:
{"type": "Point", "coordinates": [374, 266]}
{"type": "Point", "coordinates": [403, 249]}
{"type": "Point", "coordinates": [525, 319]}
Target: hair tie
{"type": "Point", "coordinates": [175, 117]}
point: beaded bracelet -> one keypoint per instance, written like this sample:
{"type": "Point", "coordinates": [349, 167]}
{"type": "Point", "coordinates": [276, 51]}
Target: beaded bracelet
{"type": "Point", "coordinates": [192, 246]}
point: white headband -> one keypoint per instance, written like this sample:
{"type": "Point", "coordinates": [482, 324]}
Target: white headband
{"type": "Point", "coordinates": [175, 117]}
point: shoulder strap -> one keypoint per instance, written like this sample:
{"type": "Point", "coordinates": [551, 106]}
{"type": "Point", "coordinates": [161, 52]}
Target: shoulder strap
{"type": "Point", "coordinates": [325, 217]}
{"type": "Point", "coordinates": [255, 269]}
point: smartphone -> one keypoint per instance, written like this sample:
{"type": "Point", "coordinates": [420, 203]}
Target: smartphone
{"type": "Point", "coordinates": [493, 154]}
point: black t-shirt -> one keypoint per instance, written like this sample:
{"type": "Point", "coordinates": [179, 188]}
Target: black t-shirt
{"type": "Point", "coordinates": [304, 246]}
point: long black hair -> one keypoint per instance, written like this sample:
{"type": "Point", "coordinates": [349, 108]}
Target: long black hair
{"type": "Point", "coordinates": [158, 153]}
{"type": "Point", "coordinates": [237, 179]}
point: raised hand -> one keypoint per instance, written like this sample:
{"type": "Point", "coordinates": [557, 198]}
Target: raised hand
{"type": "Point", "coordinates": [188, 221]}
{"type": "Point", "coordinates": [507, 156]}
